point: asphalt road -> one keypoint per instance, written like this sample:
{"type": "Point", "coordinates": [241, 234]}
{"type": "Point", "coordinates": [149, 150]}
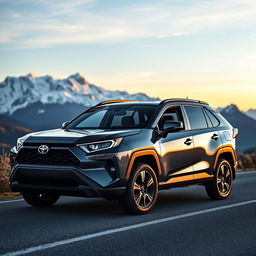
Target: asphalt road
{"type": "Point", "coordinates": [184, 222]}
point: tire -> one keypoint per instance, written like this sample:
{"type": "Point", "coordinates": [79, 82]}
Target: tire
{"type": "Point", "coordinates": [142, 190]}
{"type": "Point", "coordinates": [40, 200]}
{"type": "Point", "coordinates": [221, 186]}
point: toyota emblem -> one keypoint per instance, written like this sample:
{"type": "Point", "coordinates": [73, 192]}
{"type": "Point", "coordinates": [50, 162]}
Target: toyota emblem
{"type": "Point", "coordinates": [43, 149]}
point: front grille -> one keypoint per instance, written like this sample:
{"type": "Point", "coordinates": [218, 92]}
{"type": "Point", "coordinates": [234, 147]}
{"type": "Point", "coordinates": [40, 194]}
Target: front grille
{"type": "Point", "coordinates": [52, 157]}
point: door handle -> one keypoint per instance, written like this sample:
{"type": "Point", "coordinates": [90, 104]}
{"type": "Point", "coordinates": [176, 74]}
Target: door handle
{"type": "Point", "coordinates": [215, 136]}
{"type": "Point", "coordinates": [188, 141]}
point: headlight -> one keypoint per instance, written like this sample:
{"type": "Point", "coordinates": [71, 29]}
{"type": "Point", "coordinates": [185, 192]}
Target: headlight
{"type": "Point", "coordinates": [19, 143]}
{"type": "Point", "coordinates": [100, 145]}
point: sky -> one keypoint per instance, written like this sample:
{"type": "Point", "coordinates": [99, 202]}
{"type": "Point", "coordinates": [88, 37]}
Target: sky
{"type": "Point", "coordinates": [203, 49]}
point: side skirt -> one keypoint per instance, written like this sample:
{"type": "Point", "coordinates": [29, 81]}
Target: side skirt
{"type": "Point", "coordinates": [187, 180]}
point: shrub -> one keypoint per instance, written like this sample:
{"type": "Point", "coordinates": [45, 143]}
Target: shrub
{"type": "Point", "coordinates": [4, 172]}
{"type": "Point", "coordinates": [246, 161]}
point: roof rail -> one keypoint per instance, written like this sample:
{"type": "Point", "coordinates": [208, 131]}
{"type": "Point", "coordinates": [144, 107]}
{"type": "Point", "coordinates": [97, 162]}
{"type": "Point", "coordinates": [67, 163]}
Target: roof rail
{"type": "Point", "coordinates": [113, 101]}
{"type": "Point", "coordinates": [182, 100]}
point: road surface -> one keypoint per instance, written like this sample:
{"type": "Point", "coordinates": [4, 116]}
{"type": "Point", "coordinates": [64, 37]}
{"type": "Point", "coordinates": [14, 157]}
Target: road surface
{"type": "Point", "coordinates": [184, 222]}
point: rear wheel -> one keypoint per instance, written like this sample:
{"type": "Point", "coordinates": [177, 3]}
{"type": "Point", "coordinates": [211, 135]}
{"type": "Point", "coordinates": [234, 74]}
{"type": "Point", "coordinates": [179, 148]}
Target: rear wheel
{"type": "Point", "coordinates": [221, 186]}
{"type": "Point", "coordinates": [40, 200]}
{"type": "Point", "coordinates": [142, 190]}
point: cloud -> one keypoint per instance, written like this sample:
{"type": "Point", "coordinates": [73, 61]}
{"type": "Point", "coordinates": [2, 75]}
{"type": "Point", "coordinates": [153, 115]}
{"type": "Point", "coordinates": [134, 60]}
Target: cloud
{"type": "Point", "coordinates": [45, 23]}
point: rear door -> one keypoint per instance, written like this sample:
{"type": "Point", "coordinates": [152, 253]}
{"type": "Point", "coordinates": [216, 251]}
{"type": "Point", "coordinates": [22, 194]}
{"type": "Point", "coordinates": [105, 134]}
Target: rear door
{"type": "Point", "coordinates": [206, 140]}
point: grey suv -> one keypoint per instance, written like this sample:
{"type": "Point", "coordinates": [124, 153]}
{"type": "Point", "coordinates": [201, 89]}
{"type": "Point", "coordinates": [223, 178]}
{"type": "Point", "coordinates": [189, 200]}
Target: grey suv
{"type": "Point", "coordinates": [128, 150]}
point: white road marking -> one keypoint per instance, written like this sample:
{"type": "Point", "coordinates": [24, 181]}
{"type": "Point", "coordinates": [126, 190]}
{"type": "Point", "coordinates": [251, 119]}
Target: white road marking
{"type": "Point", "coordinates": [11, 201]}
{"type": "Point", "coordinates": [126, 228]}
{"type": "Point", "coordinates": [245, 172]}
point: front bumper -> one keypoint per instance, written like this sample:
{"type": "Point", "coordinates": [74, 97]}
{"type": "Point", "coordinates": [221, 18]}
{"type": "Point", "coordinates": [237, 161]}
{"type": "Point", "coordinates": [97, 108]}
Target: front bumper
{"type": "Point", "coordinates": [90, 178]}
{"type": "Point", "coordinates": [68, 181]}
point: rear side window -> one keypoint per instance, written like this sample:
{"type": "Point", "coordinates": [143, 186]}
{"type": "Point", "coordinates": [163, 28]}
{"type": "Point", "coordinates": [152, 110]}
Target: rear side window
{"type": "Point", "coordinates": [215, 122]}
{"type": "Point", "coordinates": [196, 117]}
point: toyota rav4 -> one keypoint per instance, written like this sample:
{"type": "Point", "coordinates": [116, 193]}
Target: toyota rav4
{"type": "Point", "coordinates": [128, 150]}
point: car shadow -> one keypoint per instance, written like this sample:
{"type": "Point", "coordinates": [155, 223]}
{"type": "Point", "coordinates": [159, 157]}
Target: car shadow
{"type": "Point", "coordinates": [98, 207]}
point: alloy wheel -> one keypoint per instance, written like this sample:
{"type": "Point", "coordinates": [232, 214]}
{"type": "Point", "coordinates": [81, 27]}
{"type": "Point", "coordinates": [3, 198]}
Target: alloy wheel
{"type": "Point", "coordinates": [224, 179]}
{"type": "Point", "coordinates": [144, 189]}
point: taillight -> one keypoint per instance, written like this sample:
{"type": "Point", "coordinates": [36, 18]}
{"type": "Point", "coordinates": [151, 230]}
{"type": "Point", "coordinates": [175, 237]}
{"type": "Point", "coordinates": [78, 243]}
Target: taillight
{"type": "Point", "coordinates": [235, 132]}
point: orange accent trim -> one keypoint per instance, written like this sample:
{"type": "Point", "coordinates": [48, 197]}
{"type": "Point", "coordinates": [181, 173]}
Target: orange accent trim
{"type": "Point", "coordinates": [143, 153]}
{"type": "Point", "coordinates": [202, 175]}
{"type": "Point", "coordinates": [179, 179]}
{"type": "Point", "coordinates": [224, 150]}
{"type": "Point", "coordinates": [189, 177]}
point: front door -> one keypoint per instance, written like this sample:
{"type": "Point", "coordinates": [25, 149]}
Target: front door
{"type": "Point", "coordinates": [176, 148]}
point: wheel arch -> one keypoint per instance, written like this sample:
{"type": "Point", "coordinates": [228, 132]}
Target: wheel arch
{"type": "Point", "coordinates": [149, 157]}
{"type": "Point", "coordinates": [227, 153]}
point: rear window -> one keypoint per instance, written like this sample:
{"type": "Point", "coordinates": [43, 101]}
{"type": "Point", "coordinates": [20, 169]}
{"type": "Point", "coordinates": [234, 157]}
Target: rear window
{"type": "Point", "coordinates": [196, 117]}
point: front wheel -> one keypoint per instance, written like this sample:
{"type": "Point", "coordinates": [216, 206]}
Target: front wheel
{"type": "Point", "coordinates": [40, 200]}
{"type": "Point", "coordinates": [142, 190]}
{"type": "Point", "coordinates": [220, 187]}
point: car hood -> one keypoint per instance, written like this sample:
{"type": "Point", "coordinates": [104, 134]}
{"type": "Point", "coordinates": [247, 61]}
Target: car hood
{"type": "Point", "coordinates": [75, 136]}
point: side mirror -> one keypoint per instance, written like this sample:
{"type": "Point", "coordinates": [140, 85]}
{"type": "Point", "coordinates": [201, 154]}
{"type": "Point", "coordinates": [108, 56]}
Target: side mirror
{"type": "Point", "coordinates": [171, 126]}
{"type": "Point", "coordinates": [65, 124]}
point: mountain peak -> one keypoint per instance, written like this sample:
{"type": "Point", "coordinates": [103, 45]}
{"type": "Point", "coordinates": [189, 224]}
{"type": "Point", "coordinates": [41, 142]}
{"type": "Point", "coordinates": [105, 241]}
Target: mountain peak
{"type": "Point", "coordinates": [32, 75]}
{"type": "Point", "coordinates": [79, 78]}
{"type": "Point", "coordinates": [231, 108]}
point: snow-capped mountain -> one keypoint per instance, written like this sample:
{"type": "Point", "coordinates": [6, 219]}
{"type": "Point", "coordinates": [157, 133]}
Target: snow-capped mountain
{"type": "Point", "coordinates": [20, 92]}
{"type": "Point", "coordinates": [245, 124]}
{"type": "Point", "coordinates": [251, 113]}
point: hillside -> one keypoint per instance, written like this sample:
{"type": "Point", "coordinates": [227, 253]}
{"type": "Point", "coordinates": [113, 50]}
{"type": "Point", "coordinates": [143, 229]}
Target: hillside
{"type": "Point", "coordinates": [10, 130]}
{"type": "Point", "coordinates": [251, 113]}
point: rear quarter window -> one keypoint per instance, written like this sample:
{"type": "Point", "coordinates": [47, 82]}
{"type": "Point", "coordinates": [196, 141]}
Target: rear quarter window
{"type": "Point", "coordinates": [215, 122]}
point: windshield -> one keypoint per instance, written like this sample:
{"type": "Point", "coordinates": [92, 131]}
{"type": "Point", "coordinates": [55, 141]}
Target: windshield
{"type": "Point", "coordinates": [114, 117]}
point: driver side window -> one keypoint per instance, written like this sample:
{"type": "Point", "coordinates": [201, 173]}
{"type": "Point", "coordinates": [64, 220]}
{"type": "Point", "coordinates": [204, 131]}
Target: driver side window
{"type": "Point", "coordinates": [172, 114]}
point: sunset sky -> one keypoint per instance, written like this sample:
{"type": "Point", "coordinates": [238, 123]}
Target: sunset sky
{"type": "Point", "coordinates": [197, 48]}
